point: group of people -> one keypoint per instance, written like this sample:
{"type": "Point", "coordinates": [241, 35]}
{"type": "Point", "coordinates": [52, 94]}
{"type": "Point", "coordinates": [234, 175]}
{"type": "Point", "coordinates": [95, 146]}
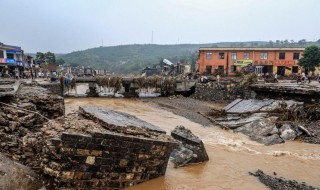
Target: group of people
{"type": "Point", "coordinates": [302, 78]}
{"type": "Point", "coordinates": [272, 76]}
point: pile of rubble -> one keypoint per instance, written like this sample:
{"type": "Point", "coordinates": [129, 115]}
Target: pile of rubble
{"type": "Point", "coordinates": [266, 121]}
{"type": "Point", "coordinates": [24, 114]}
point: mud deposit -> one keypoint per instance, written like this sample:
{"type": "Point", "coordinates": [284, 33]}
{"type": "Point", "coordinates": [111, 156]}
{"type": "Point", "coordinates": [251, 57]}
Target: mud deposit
{"type": "Point", "coordinates": [232, 156]}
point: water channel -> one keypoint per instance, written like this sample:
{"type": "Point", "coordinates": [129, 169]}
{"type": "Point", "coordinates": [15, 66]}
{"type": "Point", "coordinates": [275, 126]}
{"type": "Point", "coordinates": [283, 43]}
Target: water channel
{"type": "Point", "coordinates": [231, 155]}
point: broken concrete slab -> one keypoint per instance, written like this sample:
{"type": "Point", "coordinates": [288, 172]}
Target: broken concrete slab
{"type": "Point", "coordinates": [118, 121]}
{"type": "Point", "coordinates": [241, 106]}
{"type": "Point", "coordinates": [263, 131]}
{"type": "Point", "coordinates": [191, 149]}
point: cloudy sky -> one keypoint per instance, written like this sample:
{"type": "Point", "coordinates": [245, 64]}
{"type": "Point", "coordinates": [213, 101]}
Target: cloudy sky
{"type": "Point", "coordinates": [64, 26]}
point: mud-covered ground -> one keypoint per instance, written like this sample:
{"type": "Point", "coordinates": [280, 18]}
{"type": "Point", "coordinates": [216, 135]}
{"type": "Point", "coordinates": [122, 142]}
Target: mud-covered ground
{"type": "Point", "coordinates": [277, 183]}
{"type": "Point", "coordinates": [186, 107]}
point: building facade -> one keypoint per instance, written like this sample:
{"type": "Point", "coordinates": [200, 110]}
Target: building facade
{"type": "Point", "coordinates": [229, 60]}
{"type": "Point", "coordinates": [11, 59]}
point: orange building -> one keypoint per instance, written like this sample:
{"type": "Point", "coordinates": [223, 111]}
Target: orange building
{"type": "Point", "coordinates": [282, 61]}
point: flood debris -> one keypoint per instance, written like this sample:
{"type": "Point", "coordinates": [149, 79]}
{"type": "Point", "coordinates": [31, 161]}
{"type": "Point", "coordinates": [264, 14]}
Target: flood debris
{"type": "Point", "coordinates": [24, 114]}
{"type": "Point", "coordinates": [190, 150]}
{"type": "Point", "coordinates": [276, 183]}
{"type": "Point", "coordinates": [266, 121]}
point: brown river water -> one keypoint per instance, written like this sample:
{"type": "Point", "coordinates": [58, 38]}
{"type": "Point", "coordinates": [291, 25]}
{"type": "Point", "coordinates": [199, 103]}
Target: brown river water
{"type": "Point", "coordinates": [231, 155]}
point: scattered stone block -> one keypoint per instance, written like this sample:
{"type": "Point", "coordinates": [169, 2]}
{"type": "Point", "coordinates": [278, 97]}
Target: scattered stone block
{"type": "Point", "coordinates": [191, 149]}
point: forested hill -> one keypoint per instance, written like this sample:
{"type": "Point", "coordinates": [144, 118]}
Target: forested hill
{"type": "Point", "coordinates": [133, 58]}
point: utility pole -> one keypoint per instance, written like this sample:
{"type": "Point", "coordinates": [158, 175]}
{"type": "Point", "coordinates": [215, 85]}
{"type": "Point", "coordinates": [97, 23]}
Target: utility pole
{"type": "Point", "coordinates": [152, 37]}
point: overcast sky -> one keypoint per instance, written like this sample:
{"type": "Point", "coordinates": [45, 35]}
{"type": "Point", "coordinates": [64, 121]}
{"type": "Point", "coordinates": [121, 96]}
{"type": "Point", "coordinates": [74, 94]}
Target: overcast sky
{"type": "Point", "coordinates": [64, 26]}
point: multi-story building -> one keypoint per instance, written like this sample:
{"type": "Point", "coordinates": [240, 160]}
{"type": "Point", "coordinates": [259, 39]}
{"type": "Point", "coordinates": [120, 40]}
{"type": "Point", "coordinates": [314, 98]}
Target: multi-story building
{"type": "Point", "coordinates": [11, 58]}
{"type": "Point", "coordinates": [228, 60]}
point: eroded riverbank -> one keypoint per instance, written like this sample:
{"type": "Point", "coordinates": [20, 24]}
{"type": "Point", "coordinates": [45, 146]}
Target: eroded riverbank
{"type": "Point", "coordinates": [231, 155]}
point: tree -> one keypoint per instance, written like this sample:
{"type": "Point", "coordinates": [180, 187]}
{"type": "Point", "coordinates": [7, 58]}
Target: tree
{"type": "Point", "coordinates": [311, 58]}
{"type": "Point", "coordinates": [50, 58]}
{"type": "Point", "coordinates": [302, 42]}
{"type": "Point", "coordinates": [40, 57]}
{"type": "Point", "coordinates": [60, 62]}
{"type": "Point", "coordinates": [271, 43]}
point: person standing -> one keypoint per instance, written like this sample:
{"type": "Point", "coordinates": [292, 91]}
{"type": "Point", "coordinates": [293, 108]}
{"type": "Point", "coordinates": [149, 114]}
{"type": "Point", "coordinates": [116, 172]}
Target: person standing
{"type": "Point", "coordinates": [218, 78]}
{"type": "Point", "coordinates": [309, 76]}
{"type": "Point", "coordinates": [17, 74]}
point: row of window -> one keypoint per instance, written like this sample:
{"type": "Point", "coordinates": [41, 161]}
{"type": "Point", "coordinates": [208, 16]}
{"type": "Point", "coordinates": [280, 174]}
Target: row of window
{"type": "Point", "coordinates": [9, 55]}
{"type": "Point", "coordinates": [247, 55]}
{"type": "Point", "coordinates": [280, 69]}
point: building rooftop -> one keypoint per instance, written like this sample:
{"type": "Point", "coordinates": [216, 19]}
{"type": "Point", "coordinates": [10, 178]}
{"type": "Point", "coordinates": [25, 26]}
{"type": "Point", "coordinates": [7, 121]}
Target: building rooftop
{"type": "Point", "coordinates": [252, 48]}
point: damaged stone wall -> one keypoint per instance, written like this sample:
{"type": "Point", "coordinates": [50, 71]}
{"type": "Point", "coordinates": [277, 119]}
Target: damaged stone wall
{"type": "Point", "coordinates": [106, 160]}
{"type": "Point", "coordinates": [110, 150]}
{"type": "Point", "coordinates": [223, 90]}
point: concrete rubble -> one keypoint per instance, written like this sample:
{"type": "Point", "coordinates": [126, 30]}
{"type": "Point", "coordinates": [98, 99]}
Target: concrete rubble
{"type": "Point", "coordinates": [24, 114]}
{"type": "Point", "coordinates": [191, 149]}
{"type": "Point", "coordinates": [92, 148]}
{"type": "Point", "coordinates": [265, 121]}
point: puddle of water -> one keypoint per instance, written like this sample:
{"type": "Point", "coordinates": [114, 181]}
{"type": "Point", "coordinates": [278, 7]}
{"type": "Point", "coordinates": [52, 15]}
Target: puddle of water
{"type": "Point", "coordinates": [231, 155]}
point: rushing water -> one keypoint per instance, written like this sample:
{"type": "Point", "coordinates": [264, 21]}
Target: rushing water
{"type": "Point", "coordinates": [231, 155]}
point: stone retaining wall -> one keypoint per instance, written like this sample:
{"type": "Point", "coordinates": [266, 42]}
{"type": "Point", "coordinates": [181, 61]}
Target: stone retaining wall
{"type": "Point", "coordinates": [223, 90]}
{"type": "Point", "coordinates": [106, 160]}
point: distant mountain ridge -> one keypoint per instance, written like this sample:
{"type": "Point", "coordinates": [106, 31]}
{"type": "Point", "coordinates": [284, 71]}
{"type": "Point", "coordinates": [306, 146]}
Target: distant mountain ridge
{"type": "Point", "coordinates": [124, 59]}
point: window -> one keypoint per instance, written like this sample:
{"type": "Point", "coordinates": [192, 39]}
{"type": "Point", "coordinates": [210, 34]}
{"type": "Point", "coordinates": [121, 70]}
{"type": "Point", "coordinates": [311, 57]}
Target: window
{"type": "Point", "coordinates": [246, 55]}
{"type": "Point", "coordinates": [208, 56]}
{"type": "Point", "coordinates": [233, 68]}
{"type": "Point", "coordinates": [282, 56]}
{"type": "Point", "coordinates": [10, 56]}
{"type": "Point", "coordinates": [263, 55]}
{"type": "Point", "coordinates": [296, 56]}
{"type": "Point", "coordinates": [208, 69]}
{"type": "Point", "coordinates": [233, 56]}
{"type": "Point", "coordinates": [295, 69]}
{"type": "Point", "coordinates": [221, 55]}
{"type": "Point", "coordinates": [1, 54]}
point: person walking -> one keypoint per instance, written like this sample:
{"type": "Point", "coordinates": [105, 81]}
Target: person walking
{"type": "Point", "coordinates": [276, 78]}
{"type": "Point", "coordinates": [299, 78]}
{"type": "Point", "coordinates": [303, 77]}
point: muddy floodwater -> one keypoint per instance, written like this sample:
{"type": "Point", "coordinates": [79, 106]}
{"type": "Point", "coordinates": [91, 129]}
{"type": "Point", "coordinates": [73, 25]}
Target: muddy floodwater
{"type": "Point", "coordinates": [231, 155]}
